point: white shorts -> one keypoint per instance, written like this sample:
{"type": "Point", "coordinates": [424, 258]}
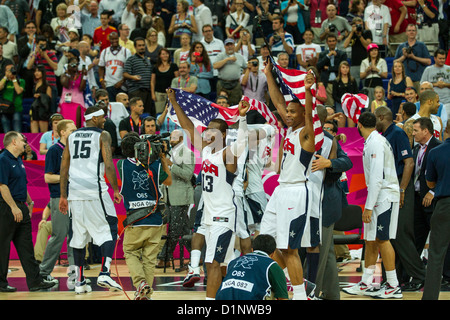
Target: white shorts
{"type": "Point", "coordinates": [256, 204]}
{"type": "Point", "coordinates": [219, 244]}
{"type": "Point", "coordinates": [287, 216]}
{"type": "Point", "coordinates": [92, 219]}
{"type": "Point", "coordinates": [384, 222]}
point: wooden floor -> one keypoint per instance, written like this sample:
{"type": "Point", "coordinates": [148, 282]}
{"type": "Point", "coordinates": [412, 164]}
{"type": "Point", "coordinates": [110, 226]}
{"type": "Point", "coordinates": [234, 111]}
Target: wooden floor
{"type": "Point", "coordinates": [167, 285]}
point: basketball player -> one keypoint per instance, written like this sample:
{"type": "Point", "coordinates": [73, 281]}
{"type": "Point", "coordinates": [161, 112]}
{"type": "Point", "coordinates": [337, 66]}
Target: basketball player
{"type": "Point", "coordinates": [84, 163]}
{"type": "Point", "coordinates": [287, 212]}
{"type": "Point", "coordinates": [429, 106]}
{"type": "Point", "coordinates": [380, 211]}
{"type": "Point", "coordinates": [111, 63]}
{"type": "Point", "coordinates": [219, 166]}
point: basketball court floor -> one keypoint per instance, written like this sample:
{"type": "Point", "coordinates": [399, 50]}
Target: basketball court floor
{"type": "Point", "coordinates": [167, 285]}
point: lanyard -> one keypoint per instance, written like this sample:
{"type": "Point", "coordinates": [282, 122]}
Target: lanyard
{"type": "Point", "coordinates": [185, 84]}
{"type": "Point", "coordinates": [132, 125]}
{"type": "Point", "coordinates": [419, 160]}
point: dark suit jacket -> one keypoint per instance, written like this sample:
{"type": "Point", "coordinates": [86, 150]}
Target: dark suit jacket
{"type": "Point", "coordinates": [325, 61]}
{"type": "Point", "coordinates": [23, 51]}
{"type": "Point", "coordinates": [334, 197]}
{"type": "Point", "coordinates": [423, 183]}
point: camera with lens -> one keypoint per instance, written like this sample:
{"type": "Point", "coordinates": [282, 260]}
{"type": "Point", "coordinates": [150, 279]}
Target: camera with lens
{"type": "Point", "coordinates": [255, 63]}
{"type": "Point", "coordinates": [42, 47]}
{"type": "Point", "coordinates": [359, 28]}
{"type": "Point", "coordinates": [276, 37]}
{"type": "Point", "coordinates": [13, 71]}
{"type": "Point", "coordinates": [332, 27]}
{"type": "Point", "coordinates": [409, 50]}
{"type": "Point", "coordinates": [150, 147]}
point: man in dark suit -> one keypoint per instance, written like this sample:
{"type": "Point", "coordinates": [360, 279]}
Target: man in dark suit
{"type": "Point", "coordinates": [424, 201]}
{"type": "Point", "coordinates": [26, 45]}
{"type": "Point", "coordinates": [328, 65]}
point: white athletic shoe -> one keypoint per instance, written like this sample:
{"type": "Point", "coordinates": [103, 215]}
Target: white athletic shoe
{"type": "Point", "coordinates": [104, 280]}
{"type": "Point", "coordinates": [388, 292]}
{"type": "Point", "coordinates": [359, 289]}
{"type": "Point", "coordinates": [82, 287]}
{"type": "Point", "coordinates": [192, 277]}
{"type": "Point", "coordinates": [143, 292]}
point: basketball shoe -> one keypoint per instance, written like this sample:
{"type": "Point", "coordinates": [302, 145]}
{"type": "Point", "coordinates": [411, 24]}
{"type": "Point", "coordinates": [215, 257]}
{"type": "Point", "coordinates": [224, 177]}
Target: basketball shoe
{"type": "Point", "coordinates": [192, 277]}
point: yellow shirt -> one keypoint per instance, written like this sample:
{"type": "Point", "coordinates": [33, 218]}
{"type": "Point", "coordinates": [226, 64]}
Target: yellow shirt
{"type": "Point", "coordinates": [129, 45]}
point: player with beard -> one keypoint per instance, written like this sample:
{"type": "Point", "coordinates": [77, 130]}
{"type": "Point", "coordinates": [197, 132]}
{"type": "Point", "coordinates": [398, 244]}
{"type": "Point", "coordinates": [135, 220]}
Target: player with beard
{"type": "Point", "coordinates": [84, 163]}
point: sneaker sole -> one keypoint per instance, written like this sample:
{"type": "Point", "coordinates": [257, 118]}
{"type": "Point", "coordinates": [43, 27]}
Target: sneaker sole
{"type": "Point", "coordinates": [108, 286]}
{"type": "Point", "coordinates": [191, 282]}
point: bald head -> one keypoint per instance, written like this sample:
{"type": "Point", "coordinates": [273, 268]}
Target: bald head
{"type": "Point", "coordinates": [384, 118]}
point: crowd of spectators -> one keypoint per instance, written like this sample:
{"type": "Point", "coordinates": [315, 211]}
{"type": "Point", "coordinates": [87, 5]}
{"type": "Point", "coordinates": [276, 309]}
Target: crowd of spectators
{"type": "Point", "coordinates": [55, 54]}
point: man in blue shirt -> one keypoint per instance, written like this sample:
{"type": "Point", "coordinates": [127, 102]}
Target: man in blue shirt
{"type": "Point", "coordinates": [141, 198]}
{"type": "Point", "coordinates": [414, 55]}
{"type": "Point", "coordinates": [60, 222]}
{"type": "Point", "coordinates": [438, 177]}
{"type": "Point", "coordinates": [408, 261]}
{"type": "Point", "coordinates": [15, 215]}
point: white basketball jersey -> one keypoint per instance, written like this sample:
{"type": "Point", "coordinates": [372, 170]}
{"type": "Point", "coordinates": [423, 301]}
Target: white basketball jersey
{"type": "Point", "coordinates": [296, 162]}
{"type": "Point", "coordinates": [218, 194]}
{"type": "Point", "coordinates": [437, 127]}
{"type": "Point", "coordinates": [87, 169]}
{"type": "Point", "coordinates": [113, 64]}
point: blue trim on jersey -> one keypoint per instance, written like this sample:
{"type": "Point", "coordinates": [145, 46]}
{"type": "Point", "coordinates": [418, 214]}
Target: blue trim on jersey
{"type": "Point", "coordinates": [305, 159]}
{"type": "Point", "coordinates": [230, 177]}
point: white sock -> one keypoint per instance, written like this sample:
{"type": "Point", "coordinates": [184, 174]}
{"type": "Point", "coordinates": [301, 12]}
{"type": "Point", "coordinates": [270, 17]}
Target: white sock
{"type": "Point", "coordinates": [367, 276]}
{"type": "Point", "coordinates": [299, 292]}
{"type": "Point", "coordinates": [392, 278]}
{"type": "Point", "coordinates": [195, 258]}
{"type": "Point", "coordinates": [210, 298]}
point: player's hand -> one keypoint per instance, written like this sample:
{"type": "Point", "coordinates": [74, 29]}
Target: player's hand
{"type": "Point", "coordinates": [243, 107]}
{"type": "Point", "coordinates": [170, 94]}
{"type": "Point", "coordinates": [63, 205]}
{"type": "Point", "coordinates": [267, 66]}
{"type": "Point", "coordinates": [17, 213]}
{"type": "Point", "coordinates": [117, 197]}
{"type": "Point", "coordinates": [310, 80]}
{"type": "Point", "coordinates": [367, 216]}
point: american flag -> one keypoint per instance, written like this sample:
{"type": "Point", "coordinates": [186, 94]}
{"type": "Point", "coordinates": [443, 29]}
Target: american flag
{"type": "Point", "coordinates": [200, 110]}
{"type": "Point", "coordinates": [352, 104]}
{"type": "Point", "coordinates": [292, 86]}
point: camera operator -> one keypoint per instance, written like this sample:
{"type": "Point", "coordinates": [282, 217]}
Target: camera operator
{"type": "Point", "coordinates": [335, 24]}
{"type": "Point", "coordinates": [180, 194]}
{"type": "Point", "coordinates": [12, 89]}
{"type": "Point", "coordinates": [358, 40]}
{"type": "Point", "coordinates": [141, 197]}
{"type": "Point", "coordinates": [414, 55]}
{"type": "Point", "coordinates": [280, 40]}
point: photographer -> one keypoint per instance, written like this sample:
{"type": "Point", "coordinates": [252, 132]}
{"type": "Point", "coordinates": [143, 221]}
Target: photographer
{"type": "Point", "coordinates": [358, 40]}
{"type": "Point", "coordinates": [280, 40]}
{"type": "Point", "coordinates": [254, 82]}
{"type": "Point", "coordinates": [414, 55]}
{"type": "Point", "coordinates": [12, 90]}
{"type": "Point", "coordinates": [336, 25]}
{"type": "Point", "coordinates": [141, 197]}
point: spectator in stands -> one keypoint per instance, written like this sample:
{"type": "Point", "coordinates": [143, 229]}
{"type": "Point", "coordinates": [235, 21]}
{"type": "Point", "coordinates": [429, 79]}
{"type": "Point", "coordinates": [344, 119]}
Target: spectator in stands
{"type": "Point", "coordinates": [373, 69]}
{"type": "Point", "coordinates": [291, 11]}
{"type": "Point", "coordinates": [141, 30]}
{"type": "Point", "coordinates": [182, 23]}
{"type": "Point", "coordinates": [378, 19]}
{"type": "Point", "coordinates": [344, 83]}
{"type": "Point", "coordinates": [185, 81]}
{"type": "Point", "coordinates": [219, 12]}
{"type": "Point", "coordinates": [134, 121]}
{"type": "Point", "coordinates": [356, 10]}
{"type": "Point", "coordinates": [164, 123]}
{"type": "Point", "coordinates": [358, 39]}
{"type": "Point", "coordinates": [236, 21]}
{"type": "Point", "coordinates": [62, 23]}
{"type": "Point", "coordinates": [138, 75]}
{"type": "Point", "coordinates": [158, 25]}
{"type": "Point", "coordinates": [43, 56]}
{"type": "Point", "coordinates": [129, 15]}
{"type": "Point", "coordinates": [9, 48]}
{"type": "Point", "coordinates": [26, 44]}
{"type": "Point", "coordinates": [116, 6]}
{"type": "Point", "coordinates": [265, 12]}
{"type": "Point", "coordinates": [280, 40]}
{"type": "Point", "coordinates": [283, 60]}
{"type": "Point", "coordinates": [202, 15]}
{"type": "Point", "coordinates": [439, 75]}
{"type": "Point", "coordinates": [414, 55]}
{"type": "Point", "coordinates": [264, 53]}
{"type": "Point", "coordinates": [12, 88]}
{"type": "Point", "coordinates": [308, 52]}
{"type": "Point", "coordinates": [166, 9]}
{"type": "Point", "coordinates": [397, 32]}
{"type": "Point", "coordinates": [124, 41]}
{"type": "Point", "coordinates": [148, 8]}
{"type": "Point", "coordinates": [45, 12]}
{"type": "Point", "coordinates": [244, 45]}
{"type": "Point", "coordinates": [90, 21]}
{"type": "Point", "coordinates": [151, 45]}
{"type": "Point", "coordinates": [318, 14]}
{"type": "Point", "coordinates": [397, 86]}
{"type": "Point", "coordinates": [101, 34]}
{"type": "Point", "coordinates": [379, 98]}
{"type": "Point", "coordinates": [40, 112]}
{"type": "Point", "coordinates": [328, 65]}
{"type": "Point", "coordinates": [230, 65]}
{"type": "Point", "coordinates": [335, 24]}
{"type": "Point", "coordinates": [164, 71]}
{"type": "Point", "coordinates": [201, 67]}
{"type": "Point", "coordinates": [253, 81]}
{"type": "Point", "coordinates": [213, 46]}
{"type": "Point", "coordinates": [427, 17]}
{"type": "Point", "coordinates": [181, 54]}
{"type": "Point", "coordinates": [321, 89]}
{"type": "Point", "coordinates": [50, 137]}
{"type": "Point", "coordinates": [21, 10]}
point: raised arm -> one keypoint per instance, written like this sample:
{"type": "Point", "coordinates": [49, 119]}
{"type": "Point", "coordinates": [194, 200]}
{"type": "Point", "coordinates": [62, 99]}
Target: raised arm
{"type": "Point", "coordinates": [307, 137]}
